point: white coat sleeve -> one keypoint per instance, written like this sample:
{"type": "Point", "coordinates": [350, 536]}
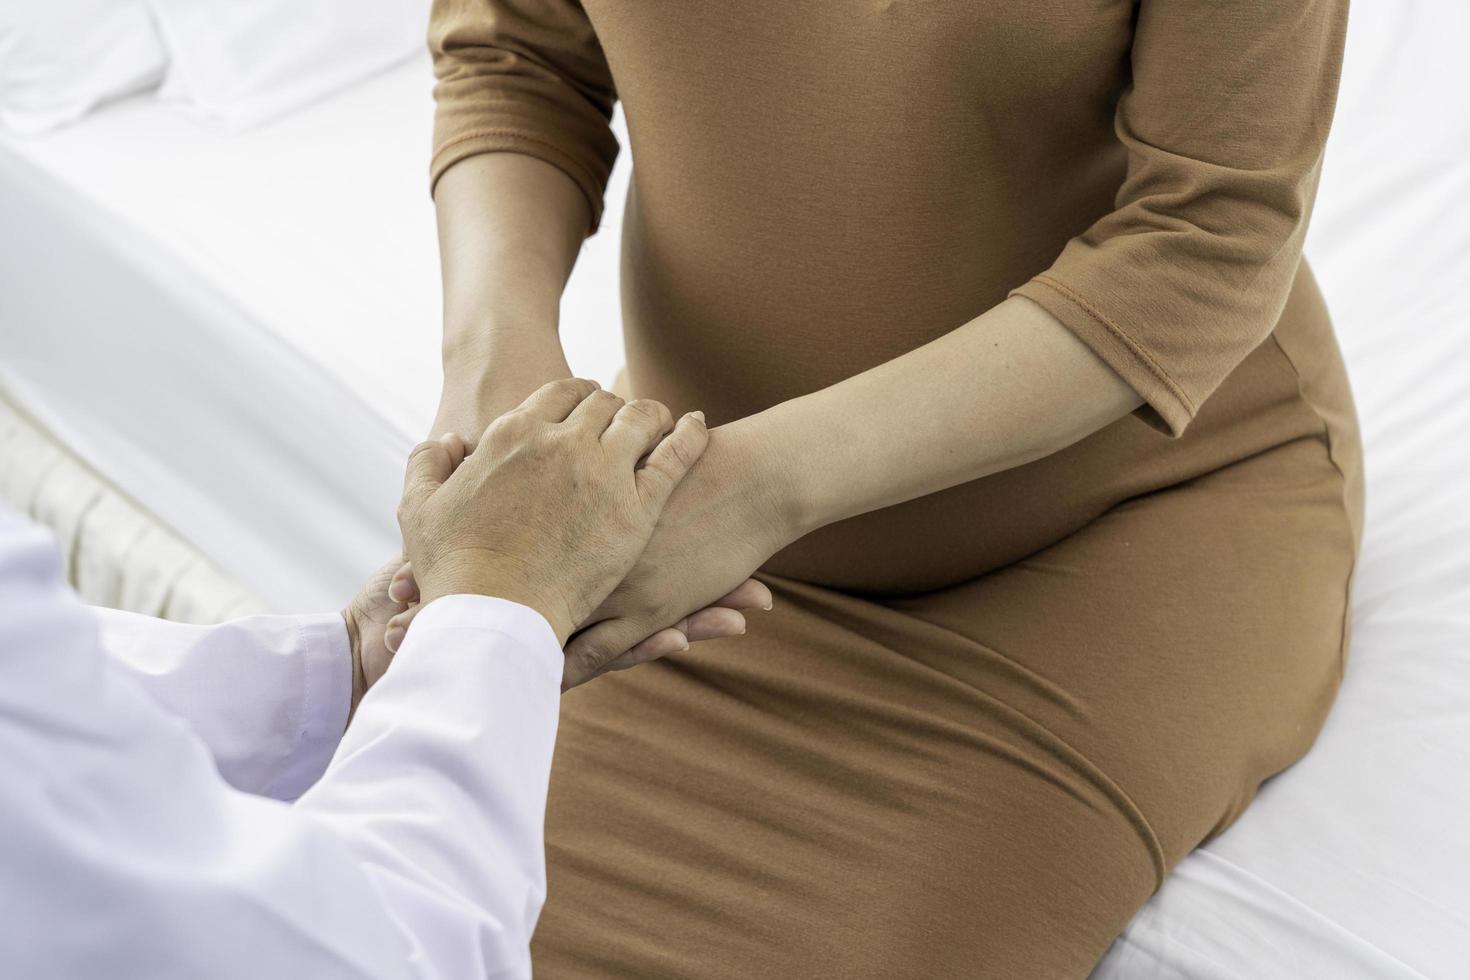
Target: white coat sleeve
{"type": "Point", "coordinates": [124, 853]}
{"type": "Point", "coordinates": [269, 695]}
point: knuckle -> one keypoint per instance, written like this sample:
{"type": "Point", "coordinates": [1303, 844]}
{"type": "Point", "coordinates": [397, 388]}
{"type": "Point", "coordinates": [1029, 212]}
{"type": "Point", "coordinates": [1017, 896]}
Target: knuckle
{"type": "Point", "coordinates": [655, 478]}
{"type": "Point", "coordinates": [640, 411]}
{"type": "Point", "coordinates": [578, 388]}
{"type": "Point", "coordinates": [681, 450]}
{"type": "Point", "coordinates": [649, 411]}
{"type": "Point", "coordinates": [586, 660]}
{"type": "Point", "coordinates": [512, 425]}
{"type": "Point", "coordinates": [498, 432]}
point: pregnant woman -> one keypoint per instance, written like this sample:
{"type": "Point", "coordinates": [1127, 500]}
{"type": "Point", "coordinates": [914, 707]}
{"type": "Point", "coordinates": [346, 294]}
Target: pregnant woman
{"type": "Point", "coordinates": [1024, 405]}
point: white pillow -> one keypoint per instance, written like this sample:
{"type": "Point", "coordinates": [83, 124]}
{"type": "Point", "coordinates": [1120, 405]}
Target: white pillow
{"type": "Point", "coordinates": [244, 62]}
{"type": "Point", "coordinates": [60, 58]}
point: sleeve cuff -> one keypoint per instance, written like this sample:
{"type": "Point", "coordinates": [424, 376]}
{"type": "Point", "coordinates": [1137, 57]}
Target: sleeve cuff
{"type": "Point", "coordinates": [326, 664]}
{"type": "Point", "coordinates": [490, 613]}
{"type": "Point", "coordinates": [1167, 407]}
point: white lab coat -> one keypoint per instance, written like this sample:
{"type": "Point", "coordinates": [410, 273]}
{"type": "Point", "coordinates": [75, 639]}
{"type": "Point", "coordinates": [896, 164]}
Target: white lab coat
{"type": "Point", "coordinates": [138, 758]}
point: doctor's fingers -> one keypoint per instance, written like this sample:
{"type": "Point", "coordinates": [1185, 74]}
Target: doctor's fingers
{"type": "Point", "coordinates": [404, 587]}
{"type": "Point", "coordinates": [429, 465]}
{"type": "Point", "coordinates": [637, 428]}
{"type": "Point", "coordinates": [592, 417]}
{"type": "Point", "coordinates": [397, 629]}
{"type": "Point", "coordinates": [555, 400]}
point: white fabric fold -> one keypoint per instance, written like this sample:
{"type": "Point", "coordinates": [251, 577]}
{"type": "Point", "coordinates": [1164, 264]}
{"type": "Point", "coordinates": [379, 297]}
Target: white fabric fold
{"type": "Point", "coordinates": [243, 64]}
{"type": "Point", "coordinates": [61, 58]}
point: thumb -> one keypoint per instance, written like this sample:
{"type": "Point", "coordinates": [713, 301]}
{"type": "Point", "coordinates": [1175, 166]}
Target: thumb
{"type": "Point", "coordinates": [429, 465]}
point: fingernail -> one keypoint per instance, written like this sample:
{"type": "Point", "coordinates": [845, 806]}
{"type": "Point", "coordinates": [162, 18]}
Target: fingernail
{"type": "Point", "coordinates": [394, 637]}
{"type": "Point", "coordinates": [399, 590]}
{"type": "Point", "coordinates": [699, 416]}
{"type": "Point", "coordinates": [683, 644]}
{"type": "Point", "coordinates": [767, 607]}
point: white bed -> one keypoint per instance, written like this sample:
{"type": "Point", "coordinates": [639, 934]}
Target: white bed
{"type": "Point", "coordinates": [241, 334]}
{"type": "Point", "coordinates": [265, 306]}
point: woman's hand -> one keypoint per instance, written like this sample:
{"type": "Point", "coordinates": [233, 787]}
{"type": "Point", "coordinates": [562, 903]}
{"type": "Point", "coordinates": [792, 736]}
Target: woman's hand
{"type": "Point", "coordinates": [721, 524]}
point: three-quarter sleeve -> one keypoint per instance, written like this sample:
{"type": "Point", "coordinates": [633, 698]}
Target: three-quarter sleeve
{"type": "Point", "coordinates": [1224, 121]}
{"type": "Point", "coordinates": [525, 76]}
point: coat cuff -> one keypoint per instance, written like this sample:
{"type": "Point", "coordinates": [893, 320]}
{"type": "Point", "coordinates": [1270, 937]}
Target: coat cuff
{"type": "Point", "coordinates": [326, 686]}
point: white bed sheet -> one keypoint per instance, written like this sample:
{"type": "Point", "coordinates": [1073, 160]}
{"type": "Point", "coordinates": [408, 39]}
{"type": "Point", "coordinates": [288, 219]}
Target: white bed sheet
{"type": "Point", "coordinates": [265, 310]}
{"type": "Point", "coordinates": [242, 331]}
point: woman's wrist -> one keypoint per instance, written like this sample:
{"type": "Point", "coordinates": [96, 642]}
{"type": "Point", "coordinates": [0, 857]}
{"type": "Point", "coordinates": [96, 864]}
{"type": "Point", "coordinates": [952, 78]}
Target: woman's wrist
{"type": "Point", "coordinates": [487, 377]}
{"type": "Point", "coordinates": [755, 457]}
{"type": "Point", "coordinates": [473, 342]}
{"type": "Point", "coordinates": [799, 448]}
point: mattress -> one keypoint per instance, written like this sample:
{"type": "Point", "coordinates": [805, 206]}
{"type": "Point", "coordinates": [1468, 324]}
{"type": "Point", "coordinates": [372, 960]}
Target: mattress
{"type": "Point", "coordinates": [242, 334]}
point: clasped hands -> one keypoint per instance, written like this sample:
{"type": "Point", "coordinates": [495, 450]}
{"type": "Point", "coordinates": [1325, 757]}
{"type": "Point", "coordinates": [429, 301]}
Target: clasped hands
{"type": "Point", "coordinates": [633, 535]}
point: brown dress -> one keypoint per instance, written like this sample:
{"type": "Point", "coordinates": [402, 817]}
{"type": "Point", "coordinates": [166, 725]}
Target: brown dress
{"type": "Point", "coordinates": [980, 727]}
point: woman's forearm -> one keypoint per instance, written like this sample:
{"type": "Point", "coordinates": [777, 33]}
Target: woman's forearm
{"type": "Point", "coordinates": [510, 227]}
{"type": "Point", "coordinates": [1009, 387]}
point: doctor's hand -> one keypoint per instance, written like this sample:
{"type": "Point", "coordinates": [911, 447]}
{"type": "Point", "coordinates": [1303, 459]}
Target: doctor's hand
{"type": "Point", "coordinates": [387, 602]}
{"type": "Point", "coordinates": [551, 509]}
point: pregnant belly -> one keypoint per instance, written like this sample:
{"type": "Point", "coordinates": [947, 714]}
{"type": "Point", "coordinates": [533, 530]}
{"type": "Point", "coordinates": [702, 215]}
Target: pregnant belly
{"type": "Point", "coordinates": [975, 528]}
